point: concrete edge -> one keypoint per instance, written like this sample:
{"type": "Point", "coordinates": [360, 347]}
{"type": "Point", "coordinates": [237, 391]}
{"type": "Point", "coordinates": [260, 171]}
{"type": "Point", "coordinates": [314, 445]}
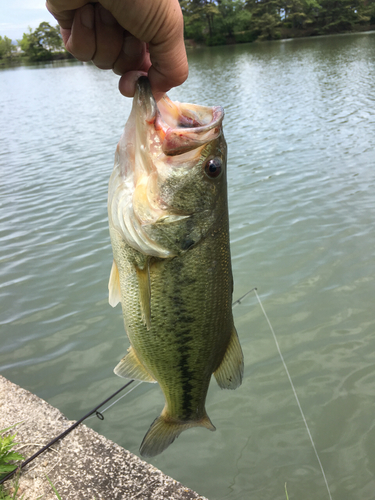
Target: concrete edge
{"type": "Point", "coordinates": [82, 466]}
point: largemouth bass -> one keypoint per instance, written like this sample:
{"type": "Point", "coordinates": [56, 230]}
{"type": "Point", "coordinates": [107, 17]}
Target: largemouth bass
{"type": "Point", "coordinates": [168, 220]}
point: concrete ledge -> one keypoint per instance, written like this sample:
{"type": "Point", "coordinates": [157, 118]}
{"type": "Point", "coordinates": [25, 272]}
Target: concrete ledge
{"type": "Point", "coordinates": [82, 466]}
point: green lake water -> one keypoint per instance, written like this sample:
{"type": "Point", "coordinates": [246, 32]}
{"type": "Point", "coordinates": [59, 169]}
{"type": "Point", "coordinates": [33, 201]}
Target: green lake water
{"type": "Point", "coordinates": [300, 127]}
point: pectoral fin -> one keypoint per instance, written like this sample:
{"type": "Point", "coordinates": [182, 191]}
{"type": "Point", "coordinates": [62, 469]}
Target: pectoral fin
{"type": "Point", "coordinates": [143, 276]}
{"type": "Point", "coordinates": [230, 372]}
{"type": "Point", "coordinates": [131, 367]}
{"type": "Point", "coordinates": [114, 286]}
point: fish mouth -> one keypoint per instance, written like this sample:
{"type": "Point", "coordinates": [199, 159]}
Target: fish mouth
{"type": "Point", "coordinates": [180, 127]}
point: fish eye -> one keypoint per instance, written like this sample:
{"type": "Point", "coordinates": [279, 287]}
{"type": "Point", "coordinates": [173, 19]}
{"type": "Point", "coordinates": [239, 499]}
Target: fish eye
{"type": "Point", "coordinates": [213, 167]}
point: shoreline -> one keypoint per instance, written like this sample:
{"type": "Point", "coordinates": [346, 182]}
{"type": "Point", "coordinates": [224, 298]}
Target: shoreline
{"type": "Point", "coordinates": [84, 465]}
{"type": "Point", "coordinates": [190, 44]}
{"type": "Point", "coordinates": [287, 34]}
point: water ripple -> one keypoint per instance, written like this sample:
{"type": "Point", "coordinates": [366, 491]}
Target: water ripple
{"type": "Point", "coordinates": [300, 126]}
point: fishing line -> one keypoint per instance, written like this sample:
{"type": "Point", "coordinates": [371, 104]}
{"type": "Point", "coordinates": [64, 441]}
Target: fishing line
{"type": "Point", "coordinates": [294, 392]}
{"type": "Point", "coordinates": [99, 414]}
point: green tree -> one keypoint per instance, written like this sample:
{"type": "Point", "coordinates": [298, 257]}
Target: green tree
{"type": "Point", "coordinates": [199, 14]}
{"type": "Point", "coordinates": [213, 21]}
{"type": "Point", "coordinates": [265, 18]}
{"type": "Point", "coordinates": [233, 16]}
{"type": "Point", "coordinates": [193, 22]}
{"type": "Point", "coordinates": [209, 10]}
{"type": "Point", "coordinates": [218, 21]}
{"type": "Point", "coordinates": [298, 14]}
{"type": "Point", "coordinates": [338, 15]}
{"type": "Point", "coordinates": [25, 41]}
{"type": "Point", "coordinates": [7, 49]}
{"type": "Point", "coordinates": [368, 11]}
{"type": "Point", "coordinates": [49, 37]}
{"type": "Point", "coordinates": [41, 43]}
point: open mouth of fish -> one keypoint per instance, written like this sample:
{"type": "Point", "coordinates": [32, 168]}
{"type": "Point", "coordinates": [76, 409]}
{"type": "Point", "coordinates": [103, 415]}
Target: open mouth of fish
{"type": "Point", "coordinates": [161, 143]}
{"type": "Point", "coordinates": [179, 127]}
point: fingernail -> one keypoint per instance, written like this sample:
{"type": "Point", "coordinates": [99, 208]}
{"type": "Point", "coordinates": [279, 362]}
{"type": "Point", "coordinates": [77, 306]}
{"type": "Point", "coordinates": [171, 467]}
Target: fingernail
{"type": "Point", "coordinates": [133, 47]}
{"type": "Point", "coordinates": [87, 17]}
{"type": "Point", "coordinates": [106, 17]}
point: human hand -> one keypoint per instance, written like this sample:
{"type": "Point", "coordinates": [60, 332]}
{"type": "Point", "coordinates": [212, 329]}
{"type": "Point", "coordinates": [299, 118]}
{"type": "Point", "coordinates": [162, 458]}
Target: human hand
{"type": "Point", "coordinates": [115, 34]}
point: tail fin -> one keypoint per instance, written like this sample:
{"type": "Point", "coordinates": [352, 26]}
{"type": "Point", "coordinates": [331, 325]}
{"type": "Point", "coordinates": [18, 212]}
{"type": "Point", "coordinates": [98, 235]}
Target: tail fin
{"type": "Point", "coordinates": [163, 431]}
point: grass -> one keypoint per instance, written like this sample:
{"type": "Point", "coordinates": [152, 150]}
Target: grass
{"type": "Point", "coordinates": [286, 493]}
{"type": "Point", "coordinates": [54, 489]}
{"type": "Point", "coordinates": [11, 494]}
{"type": "Point", "coordinates": [7, 454]}
{"type": "Point", "coordinates": [8, 462]}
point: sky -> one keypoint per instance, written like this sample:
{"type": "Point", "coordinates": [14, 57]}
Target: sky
{"type": "Point", "coordinates": [17, 15]}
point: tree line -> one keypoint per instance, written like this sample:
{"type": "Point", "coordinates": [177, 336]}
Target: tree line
{"type": "Point", "coordinates": [216, 22]}
{"type": "Point", "coordinates": [42, 44]}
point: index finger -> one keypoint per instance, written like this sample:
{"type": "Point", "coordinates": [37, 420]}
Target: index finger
{"type": "Point", "coordinates": [63, 10]}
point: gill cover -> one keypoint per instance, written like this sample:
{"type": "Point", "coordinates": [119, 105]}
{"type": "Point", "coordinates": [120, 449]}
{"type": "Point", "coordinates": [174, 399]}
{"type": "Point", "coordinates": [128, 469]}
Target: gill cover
{"type": "Point", "coordinates": [156, 138]}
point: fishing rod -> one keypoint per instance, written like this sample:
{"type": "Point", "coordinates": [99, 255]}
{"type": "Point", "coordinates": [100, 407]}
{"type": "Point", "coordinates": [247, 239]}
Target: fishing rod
{"type": "Point", "coordinates": [66, 432]}
{"type": "Point", "coordinates": [238, 301]}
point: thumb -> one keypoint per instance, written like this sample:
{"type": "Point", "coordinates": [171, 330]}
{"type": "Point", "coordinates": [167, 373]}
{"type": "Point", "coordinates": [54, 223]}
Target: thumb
{"type": "Point", "coordinates": [160, 24]}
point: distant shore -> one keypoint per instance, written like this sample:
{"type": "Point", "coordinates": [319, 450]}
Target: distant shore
{"type": "Point", "coordinates": [22, 60]}
{"type": "Point", "coordinates": [285, 34]}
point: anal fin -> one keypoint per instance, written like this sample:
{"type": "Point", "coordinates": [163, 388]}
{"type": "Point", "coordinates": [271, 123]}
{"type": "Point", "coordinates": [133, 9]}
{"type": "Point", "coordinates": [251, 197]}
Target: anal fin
{"type": "Point", "coordinates": [114, 286]}
{"type": "Point", "coordinates": [131, 367]}
{"type": "Point", "coordinates": [230, 372]}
